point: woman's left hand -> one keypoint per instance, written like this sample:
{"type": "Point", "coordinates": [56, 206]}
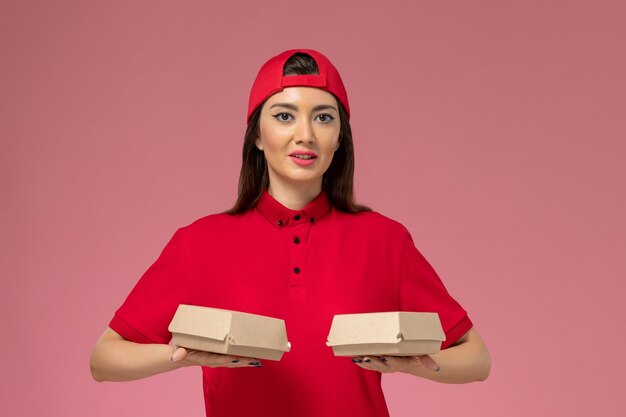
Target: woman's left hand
{"type": "Point", "coordinates": [466, 360]}
{"type": "Point", "coordinates": [387, 364]}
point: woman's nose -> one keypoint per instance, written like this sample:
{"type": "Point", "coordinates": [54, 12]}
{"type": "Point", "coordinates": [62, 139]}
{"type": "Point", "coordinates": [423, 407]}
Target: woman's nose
{"type": "Point", "coordinates": [304, 131]}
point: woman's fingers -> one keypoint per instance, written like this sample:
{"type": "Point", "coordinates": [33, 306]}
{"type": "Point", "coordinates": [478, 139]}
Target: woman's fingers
{"type": "Point", "coordinates": [243, 362]}
{"type": "Point", "coordinates": [395, 363]}
{"type": "Point", "coordinates": [379, 364]}
{"type": "Point", "coordinates": [212, 360]}
{"type": "Point", "coordinates": [427, 362]}
{"type": "Point", "coordinates": [216, 359]}
{"type": "Point", "coordinates": [374, 363]}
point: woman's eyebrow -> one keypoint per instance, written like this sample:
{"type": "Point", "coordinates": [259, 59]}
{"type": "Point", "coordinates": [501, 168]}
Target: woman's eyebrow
{"type": "Point", "coordinates": [286, 105]}
{"type": "Point", "coordinates": [324, 107]}
{"type": "Point", "coordinates": [295, 108]}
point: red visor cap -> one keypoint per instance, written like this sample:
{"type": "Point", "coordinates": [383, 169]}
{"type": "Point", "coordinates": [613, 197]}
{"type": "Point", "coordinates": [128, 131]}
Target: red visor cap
{"type": "Point", "coordinates": [270, 79]}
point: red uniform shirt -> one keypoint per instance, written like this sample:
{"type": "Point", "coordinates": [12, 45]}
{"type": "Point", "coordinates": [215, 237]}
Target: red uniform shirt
{"type": "Point", "coordinates": [302, 266]}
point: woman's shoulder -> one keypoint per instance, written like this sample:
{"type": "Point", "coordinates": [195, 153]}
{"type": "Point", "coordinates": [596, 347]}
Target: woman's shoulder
{"type": "Point", "coordinates": [212, 225]}
{"type": "Point", "coordinates": [373, 220]}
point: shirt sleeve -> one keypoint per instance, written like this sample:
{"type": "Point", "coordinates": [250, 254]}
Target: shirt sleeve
{"type": "Point", "coordinates": [147, 311]}
{"type": "Point", "coordinates": [422, 290]}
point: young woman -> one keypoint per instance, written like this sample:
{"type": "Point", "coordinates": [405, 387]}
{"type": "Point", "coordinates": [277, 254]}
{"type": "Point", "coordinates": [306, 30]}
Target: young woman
{"type": "Point", "coordinates": [297, 247]}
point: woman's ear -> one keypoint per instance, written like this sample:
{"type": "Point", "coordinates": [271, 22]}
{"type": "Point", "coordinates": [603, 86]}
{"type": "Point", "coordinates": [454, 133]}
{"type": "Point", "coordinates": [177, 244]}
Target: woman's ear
{"type": "Point", "coordinates": [258, 144]}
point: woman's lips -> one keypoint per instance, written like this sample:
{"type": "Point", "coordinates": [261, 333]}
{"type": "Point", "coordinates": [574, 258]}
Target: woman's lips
{"type": "Point", "coordinates": [301, 161]}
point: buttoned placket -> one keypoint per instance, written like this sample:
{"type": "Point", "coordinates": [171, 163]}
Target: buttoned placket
{"type": "Point", "coordinates": [297, 232]}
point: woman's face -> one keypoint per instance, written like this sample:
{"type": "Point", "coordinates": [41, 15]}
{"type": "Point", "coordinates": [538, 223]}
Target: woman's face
{"type": "Point", "coordinates": [299, 134]}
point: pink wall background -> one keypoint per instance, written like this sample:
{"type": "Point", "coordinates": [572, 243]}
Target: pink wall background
{"type": "Point", "coordinates": [494, 130]}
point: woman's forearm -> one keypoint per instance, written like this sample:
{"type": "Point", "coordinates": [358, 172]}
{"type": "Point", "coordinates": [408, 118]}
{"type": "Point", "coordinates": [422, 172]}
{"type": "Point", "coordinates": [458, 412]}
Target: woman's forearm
{"type": "Point", "coordinates": [117, 359]}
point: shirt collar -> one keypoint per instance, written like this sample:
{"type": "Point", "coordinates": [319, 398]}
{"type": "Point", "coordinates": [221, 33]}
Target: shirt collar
{"type": "Point", "coordinates": [280, 216]}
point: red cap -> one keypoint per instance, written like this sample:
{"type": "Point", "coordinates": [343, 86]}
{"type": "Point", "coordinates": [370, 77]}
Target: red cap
{"type": "Point", "coordinates": [270, 79]}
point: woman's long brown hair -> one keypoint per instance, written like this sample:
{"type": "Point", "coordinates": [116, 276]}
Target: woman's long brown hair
{"type": "Point", "coordinates": [338, 180]}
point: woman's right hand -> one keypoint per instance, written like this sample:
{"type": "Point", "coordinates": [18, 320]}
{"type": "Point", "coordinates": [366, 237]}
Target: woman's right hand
{"type": "Point", "coordinates": [117, 359]}
{"type": "Point", "coordinates": [186, 357]}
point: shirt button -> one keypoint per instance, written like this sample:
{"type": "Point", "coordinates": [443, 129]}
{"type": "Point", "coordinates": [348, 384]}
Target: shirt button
{"type": "Point", "coordinates": [296, 270]}
{"type": "Point", "coordinates": [280, 222]}
{"type": "Point", "coordinates": [296, 217]}
{"type": "Point", "coordinates": [296, 240]}
{"type": "Point", "coordinates": [312, 220]}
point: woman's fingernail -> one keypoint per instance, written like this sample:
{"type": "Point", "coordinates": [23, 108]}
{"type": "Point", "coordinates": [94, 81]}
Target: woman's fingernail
{"type": "Point", "coordinates": [383, 359]}
{"type": "Point", "coordinates": [255, 363]}
{"type": "Point", "coordinates": [355, 360]}
{"type": "Point", "coordinates": [235, 361]}
{"type": "Point", "coordinates": [437, 370]}
{"type": "Point", "coordinates": [367, 360]}
{"type": "Point", "coordinates": [260, 365]}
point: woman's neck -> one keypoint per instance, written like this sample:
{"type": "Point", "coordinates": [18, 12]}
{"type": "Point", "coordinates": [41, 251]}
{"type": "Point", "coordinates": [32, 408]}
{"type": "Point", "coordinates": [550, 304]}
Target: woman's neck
{"type": "Point", "coordinates": [294, 197]}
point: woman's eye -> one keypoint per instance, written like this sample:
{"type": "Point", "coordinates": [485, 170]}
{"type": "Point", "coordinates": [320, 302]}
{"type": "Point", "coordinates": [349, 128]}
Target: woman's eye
{"type": "Point", "coordinates": [283, 117]}
{"type": "Point", "coordinates": [325, 118]}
